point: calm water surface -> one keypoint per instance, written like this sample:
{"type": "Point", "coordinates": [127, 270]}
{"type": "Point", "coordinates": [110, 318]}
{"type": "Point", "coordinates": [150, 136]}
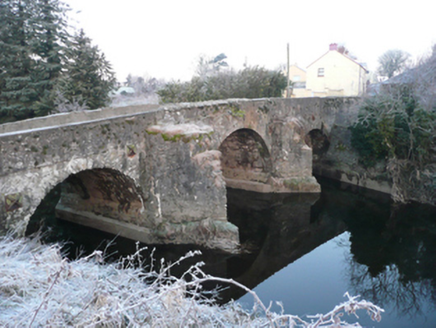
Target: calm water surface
{"type": "Point", "coordinates": [308, 250]}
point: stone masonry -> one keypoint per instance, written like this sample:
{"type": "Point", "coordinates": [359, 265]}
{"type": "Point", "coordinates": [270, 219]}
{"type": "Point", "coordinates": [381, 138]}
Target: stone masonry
{"type": "Point", "coordinates": [159, 175]}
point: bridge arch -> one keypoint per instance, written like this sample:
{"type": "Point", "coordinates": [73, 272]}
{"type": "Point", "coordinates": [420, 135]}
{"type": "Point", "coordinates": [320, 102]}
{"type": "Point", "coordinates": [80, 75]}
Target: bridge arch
{"type": "Point", "coordinates": [102, 192]}
{"type": "Point", "coordinates": [319, 142]}
{"type": "Point", "coordinates": [245, 160]}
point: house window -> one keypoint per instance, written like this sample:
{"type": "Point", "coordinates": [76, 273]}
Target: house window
{"type": "Point", "coordinates": [320, 72]}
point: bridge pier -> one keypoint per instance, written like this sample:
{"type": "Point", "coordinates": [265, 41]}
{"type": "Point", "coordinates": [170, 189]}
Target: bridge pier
{"type": "Point", "coordinates": [247, 164]}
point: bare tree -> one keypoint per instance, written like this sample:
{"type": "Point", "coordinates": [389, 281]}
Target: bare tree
{"type": "Point", "coordinates": [208, 66]}
{"type": "Point", "coordinates": [424, 78]}
{"type": "Point", "coordinates": [393, 62]}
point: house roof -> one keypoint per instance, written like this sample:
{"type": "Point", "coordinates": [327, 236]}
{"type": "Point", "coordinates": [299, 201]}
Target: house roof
{"type": "Point", "coordinates": [295, 65]}
{"type": "Point", "coordinates": [406, 77]}
{"type": "Point", "coordinates": [128, 90]}
{"type": "Point", "coordinates": [366, 70]}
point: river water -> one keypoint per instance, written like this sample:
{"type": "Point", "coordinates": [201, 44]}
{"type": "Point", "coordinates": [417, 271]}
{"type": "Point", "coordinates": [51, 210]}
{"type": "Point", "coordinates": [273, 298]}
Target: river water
{"type": "Point", "coordinates": [306, 251]}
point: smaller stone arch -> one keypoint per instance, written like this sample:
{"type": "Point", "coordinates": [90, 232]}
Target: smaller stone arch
{"type": "Point", "coordinates": [246, 160]}
{"type": "Point", "coordinates": [319, 142]}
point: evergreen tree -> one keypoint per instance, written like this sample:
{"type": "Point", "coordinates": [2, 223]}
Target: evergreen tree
{"type": "Point", "coordinates": [16, 94]}
{"type": "Point", "coordinates": [34, 62]}
{"type": "Point", "coordinates": [88, 76]}
{"type": "Point", "coordinates": [32, 37]}
{"type": "Point", "coordinates": [47, 43]}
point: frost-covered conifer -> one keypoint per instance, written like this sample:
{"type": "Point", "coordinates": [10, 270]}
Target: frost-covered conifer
{"type": "Point", "coordinates": [88, 75]}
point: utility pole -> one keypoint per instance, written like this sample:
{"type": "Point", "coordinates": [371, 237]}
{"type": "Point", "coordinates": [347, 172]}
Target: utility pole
{"type": "Point", "coordinates": [287, 69]}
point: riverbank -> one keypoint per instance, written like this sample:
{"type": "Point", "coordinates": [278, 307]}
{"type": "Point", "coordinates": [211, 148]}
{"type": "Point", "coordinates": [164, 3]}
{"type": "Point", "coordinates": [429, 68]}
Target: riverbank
{"type": "Point", "coordinates": [337, 159]}
{"type": "Point", "coordinates": [40, 288]}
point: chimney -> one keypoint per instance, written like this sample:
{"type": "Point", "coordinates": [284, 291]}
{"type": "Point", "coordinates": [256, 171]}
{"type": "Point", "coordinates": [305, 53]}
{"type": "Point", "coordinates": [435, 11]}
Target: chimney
{"type": "Point", "coordinates": [333, 46]}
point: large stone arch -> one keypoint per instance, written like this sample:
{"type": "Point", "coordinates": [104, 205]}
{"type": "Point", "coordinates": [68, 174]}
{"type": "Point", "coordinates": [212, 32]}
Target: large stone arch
{"type": "Point", "coordinates": [95, 192]}
{"type": "Point", "coordinates": [39, 182]}
{"type": "Point", "coordinates": [246, 160]}
{"type": "Point", "coordinates": [105, 192]}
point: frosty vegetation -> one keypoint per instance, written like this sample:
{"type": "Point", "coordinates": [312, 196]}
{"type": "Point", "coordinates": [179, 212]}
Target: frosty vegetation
{"type": "Point", "coordinates": [145, 91]}
{"type": "Point", "coordinates": [40, 288]}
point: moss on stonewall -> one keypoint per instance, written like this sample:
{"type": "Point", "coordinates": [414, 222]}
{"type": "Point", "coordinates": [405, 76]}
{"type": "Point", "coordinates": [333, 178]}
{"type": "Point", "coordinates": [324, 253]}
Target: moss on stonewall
{"type": "Point", "coordinates": [173, 138]}
{"type": "Point", "coordinates": [296, 183]}
{"type": "Point", "coordinates": [236, 111]}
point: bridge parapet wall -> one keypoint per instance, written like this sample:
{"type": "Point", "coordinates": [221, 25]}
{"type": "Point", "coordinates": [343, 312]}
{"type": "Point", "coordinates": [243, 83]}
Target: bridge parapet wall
{"type": "Point", "coordinates": [56, 120]}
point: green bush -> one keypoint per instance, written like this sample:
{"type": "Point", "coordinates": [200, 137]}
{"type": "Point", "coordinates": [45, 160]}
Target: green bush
{"type": "Point", "coordinates": [251, 82]}
{"type": "Point", "coordinates": [394, 125]}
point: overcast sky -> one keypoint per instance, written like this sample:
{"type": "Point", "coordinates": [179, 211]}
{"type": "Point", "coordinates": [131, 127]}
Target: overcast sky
{"type": "Point", "coordinates": [164, 38]}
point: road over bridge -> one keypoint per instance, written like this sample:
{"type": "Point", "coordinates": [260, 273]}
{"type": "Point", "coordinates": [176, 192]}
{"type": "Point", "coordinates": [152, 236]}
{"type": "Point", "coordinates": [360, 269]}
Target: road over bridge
{"type": "Point", "coordinates": [158, 174]}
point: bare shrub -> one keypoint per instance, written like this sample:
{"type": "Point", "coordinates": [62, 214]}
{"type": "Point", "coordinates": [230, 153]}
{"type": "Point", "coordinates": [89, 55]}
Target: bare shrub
{"type": "Point", "coordinates": [39, 288]}
{"type": "Point", "coordinates": [63, 105]}
{"type": "Point", "coordinates": [424, 80]}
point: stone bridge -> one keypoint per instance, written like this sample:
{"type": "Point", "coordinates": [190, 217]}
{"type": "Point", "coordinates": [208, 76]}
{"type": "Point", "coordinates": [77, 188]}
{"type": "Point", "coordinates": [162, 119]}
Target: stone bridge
{"type": "Point", "coordinates": [158, 174]}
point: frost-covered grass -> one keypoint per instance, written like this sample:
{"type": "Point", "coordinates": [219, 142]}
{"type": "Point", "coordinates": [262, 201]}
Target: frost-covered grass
{"type": "Point", "coordinates": [40, 288]}
{"type": "Point", "coordinates": [143, 99]}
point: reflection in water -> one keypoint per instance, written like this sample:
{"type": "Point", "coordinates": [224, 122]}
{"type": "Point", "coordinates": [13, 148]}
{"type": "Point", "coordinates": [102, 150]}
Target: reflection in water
{"type": "Point", "coordinates": [388, 254]}
{"type": "Point", "coordinates": [280, 227]}
{"type": "Point", "coordinates": [391, 255]}
{"type": "Point", "coordinates": [393, 258]}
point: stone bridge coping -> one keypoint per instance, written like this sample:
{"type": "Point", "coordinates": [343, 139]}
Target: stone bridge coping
{"type": "Point", "coordinates": [98, 115]}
